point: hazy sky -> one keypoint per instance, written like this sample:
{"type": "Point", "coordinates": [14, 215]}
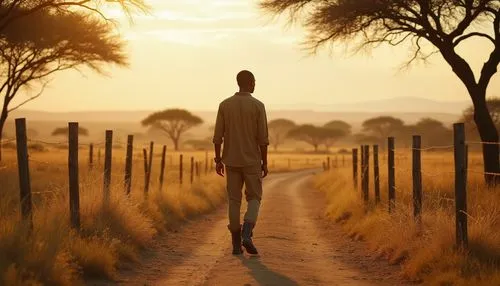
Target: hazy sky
{"type": "Point", "coordinates": [188, 52]}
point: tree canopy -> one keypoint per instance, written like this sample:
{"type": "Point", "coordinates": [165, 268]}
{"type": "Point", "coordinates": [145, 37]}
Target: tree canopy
{"type": "Point", "coordinates": [314, 135]}
{"type": "Point", "coordinates": [35, 47]}
{"type": "Point", "coordinates": [382, 126]}
{"type": "Point", "coordinates": [278, 130]}
{"type": "Point", "coordinates": [429, 27]}
{"type": "Point", "coordinates": [173, 122]}
{"type": "Point", "coordinates": [339, 125]}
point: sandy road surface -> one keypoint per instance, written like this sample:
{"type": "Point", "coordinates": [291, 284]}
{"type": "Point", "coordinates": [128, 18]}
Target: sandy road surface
{"type": "Point", "coordinates": [297, 247]}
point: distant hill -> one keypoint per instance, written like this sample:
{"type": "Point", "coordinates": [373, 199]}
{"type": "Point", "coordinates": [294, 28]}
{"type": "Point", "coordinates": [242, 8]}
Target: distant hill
{"type": "Point", "coordinates": [397, 104]}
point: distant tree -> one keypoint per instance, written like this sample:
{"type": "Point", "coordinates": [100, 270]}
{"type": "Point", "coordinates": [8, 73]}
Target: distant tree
{"type": "Point", "coordinates": [63, 131]}
{"type": "Point", "coordinates": [468, 116]}
{"type": "Point", "coordinates": [173, 122]}
{"type": "Point", "coordinates": [382, 126]}
{"type": "Point", "coordinates": [331, 136]}
{"type": "Point", "coordinates": [433, 132]}
{"type": "Point", "coordinates": [35, 47]}
{"type": "Point", "coordinates": [278, 130]}
{"type": "Point", "coordinates": [339, 125]}
{"type": "Point", "coordinates": [442, 25]}
{"type": "Point", "coordinates": [308, 133]}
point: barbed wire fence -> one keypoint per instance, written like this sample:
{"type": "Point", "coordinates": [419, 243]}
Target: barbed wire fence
{"type": "Point", "coordinates": [460, 171]}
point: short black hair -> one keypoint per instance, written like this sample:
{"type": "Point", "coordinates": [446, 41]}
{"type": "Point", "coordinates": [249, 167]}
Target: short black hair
{"type": "Point", "coordinates": [244, 78]}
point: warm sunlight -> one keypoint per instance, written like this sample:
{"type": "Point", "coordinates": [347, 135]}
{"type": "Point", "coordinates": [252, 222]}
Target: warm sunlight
{"type": "Point", "coordinates": [185, 53]}
{"type": "Point", "coordinates": [249, 142]}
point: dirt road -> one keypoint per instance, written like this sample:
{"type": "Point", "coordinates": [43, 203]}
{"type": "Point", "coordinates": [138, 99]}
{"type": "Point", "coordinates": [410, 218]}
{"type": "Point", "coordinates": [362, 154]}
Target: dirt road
{"type": "Point", "coordinates": [297, 247]}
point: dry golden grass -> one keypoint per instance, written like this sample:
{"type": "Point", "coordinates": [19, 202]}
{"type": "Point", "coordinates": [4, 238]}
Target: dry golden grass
{"type": "Point", "coordinates": [427, 253]}
{"type": "Point", "coordinates": [111, 236]}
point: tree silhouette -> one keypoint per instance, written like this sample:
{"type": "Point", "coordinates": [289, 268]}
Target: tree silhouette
{"type": "Point", "coordinates": [13, 10]}
{"type": "Point", "coordinates": [315, 136]}
{"type": "Point", "coordinates": [443, 24]}
{"type": "Point", "coordinates": [433, 132]}
{"type": "Point", "coordinates": [278, 130]}
{"type": "Point", "coordinates": [339, 125]}
{"type": "Point", "coordinates": [63, 131]}
{"type": "Point", "coordinates": [35, 47]}
{"type": "Point", "coordinates": [173, 122]}
{"type": "Point", "coordinates": [331, 136]}
{"type": "Point", "coordinates": [468, 116]}
{"type": "Point", "coordinates": [382, 127]}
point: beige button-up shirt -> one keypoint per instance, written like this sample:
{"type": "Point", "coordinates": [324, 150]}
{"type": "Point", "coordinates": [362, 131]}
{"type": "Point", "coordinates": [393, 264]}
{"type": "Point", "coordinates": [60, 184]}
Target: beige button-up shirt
{"type": "Point", "coordinates": [241, 126]}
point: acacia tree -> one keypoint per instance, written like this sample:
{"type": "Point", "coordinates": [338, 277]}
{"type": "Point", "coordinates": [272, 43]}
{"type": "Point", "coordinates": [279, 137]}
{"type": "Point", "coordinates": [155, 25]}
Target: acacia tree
{"type": "Point", "coordinates": [382, 126]}
{"type": "Point", "coordinates": [309, 134]}
{"type": "Point", "coordinates": [173, 122]}
{"type": "Point", "coordinates": [13, 10]}
{"type": "Point", "coordinates": [339, 125]}
{"type": "Point", "coordinates": [278, 130]}
{"type": "Point", "coordinates": [443, 24]}
{"type": "Point", "coordinates": [64, 131]}
{"type": "Point", "coordinates": [433, 132]}
{"type": "Point", "coordinates": [35, 47]}
{"type": "Point", "coordinates": [468, 116]}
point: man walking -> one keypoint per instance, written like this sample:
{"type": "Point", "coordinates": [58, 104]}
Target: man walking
{"type": "Point", "coordinates": [241, 126]}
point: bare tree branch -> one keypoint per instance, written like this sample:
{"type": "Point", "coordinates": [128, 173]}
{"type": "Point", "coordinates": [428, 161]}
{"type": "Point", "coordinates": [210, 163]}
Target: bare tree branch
{"type": "Point", "coordinates": [31, 98]}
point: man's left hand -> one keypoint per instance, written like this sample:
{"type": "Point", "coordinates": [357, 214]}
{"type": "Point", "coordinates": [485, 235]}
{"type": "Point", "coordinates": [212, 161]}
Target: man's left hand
{"type": "Point", "coordinates": [265, 171]}
{"type": "Point", "coordinates": [219, 168]}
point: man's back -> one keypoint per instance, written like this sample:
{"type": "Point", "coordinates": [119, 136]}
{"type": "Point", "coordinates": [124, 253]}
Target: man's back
{"type": "Point", "coordinates": [242, 126]}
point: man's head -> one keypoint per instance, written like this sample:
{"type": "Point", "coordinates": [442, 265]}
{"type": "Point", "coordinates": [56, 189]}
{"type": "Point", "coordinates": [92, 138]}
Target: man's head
{"type": "Point", "coordinates": [246, 81]}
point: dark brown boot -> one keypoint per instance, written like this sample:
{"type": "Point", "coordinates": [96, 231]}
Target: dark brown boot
{"type": "Point", "coordinates": [246, 234]}
{"type": "Point", "coordinates": [236, 239]}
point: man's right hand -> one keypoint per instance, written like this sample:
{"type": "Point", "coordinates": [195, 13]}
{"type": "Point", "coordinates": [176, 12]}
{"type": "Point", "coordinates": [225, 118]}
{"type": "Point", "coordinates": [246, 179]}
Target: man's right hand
{"type": "Point", "coordinates": [265, 171]}
{"type": "Point", "coordinates": [219, 168]}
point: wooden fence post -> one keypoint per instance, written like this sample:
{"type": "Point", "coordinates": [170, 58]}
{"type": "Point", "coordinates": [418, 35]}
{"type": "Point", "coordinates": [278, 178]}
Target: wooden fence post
{"type": "Point", "coordinates": [392, 174]}
{"type": "Point", "coordinates": [417, 179]}
{"type": "Point", "coordinates": [328, 163]}
{"type": "Point", "coordinates": [128, 163]}
{"type": "Point", "coordinates": [197, 169]}
{"type": "Point", "coordinates": [146, 169]}
{"type": "Point", "coordinates": [74, 189]}
{"type": "Point", "coordinates": [376, 174]}
{"type": "Point", "coordinates": [343, 160]}
{"type": "Point", "coordinates": [361, 168]}
{"type": "Point", "coordinates": [355, 167]}
{"type": "Point", "coordinates": [162, 166]}
{"type": "Point", "coordinates": [91, 156]}
{"type": "Point", "coordinates": [24, 172]}
{"type": "Point", "coordinates": [107, 164]}
{"type": "Point", "coordinates": [211, 165]}
{"type": "Point", "coordinates": [150, 166]}
{"type": "Point", "coordinates": [460, 156]}
{"type": "Point", "coordinates": [366, 175]}
{"type": "Point", "coordinates": [192, 170]}
{"type": "Point", "coordinates": [324, 166]}
{"type": "Point", "coordinates": [181, 168]}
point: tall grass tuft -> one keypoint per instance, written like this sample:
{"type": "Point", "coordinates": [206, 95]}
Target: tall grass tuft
{"type": "Point", "coordinates": [426, 253]}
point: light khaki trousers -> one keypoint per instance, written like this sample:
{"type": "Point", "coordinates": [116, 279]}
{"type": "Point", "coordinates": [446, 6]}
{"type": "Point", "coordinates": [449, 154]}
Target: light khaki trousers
{"type": "Point", "coordinates": [251, 177]}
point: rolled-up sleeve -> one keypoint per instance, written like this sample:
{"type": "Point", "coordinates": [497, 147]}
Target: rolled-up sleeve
{"type": "Point", "coordinates": [262, 131]}
{"type": "Point", "coordinates": [219, 127]}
